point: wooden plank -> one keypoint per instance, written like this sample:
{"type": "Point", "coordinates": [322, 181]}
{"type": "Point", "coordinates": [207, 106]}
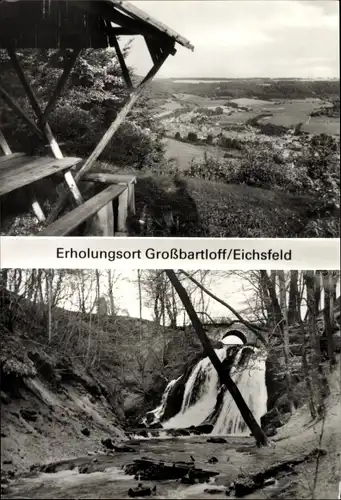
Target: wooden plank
{"type": "Point", "coordinates": [12, 162]}
{"type": "Point", "coordinates": [5, 158]}
{"type": "Point", "coordinates": [70, 221]}
{"type": "Point", "coordinates": [4, 145]}
{"type": "Point", "coordinates": [29, 172]}
{"type": "Point", "coordinates": [110, 178]}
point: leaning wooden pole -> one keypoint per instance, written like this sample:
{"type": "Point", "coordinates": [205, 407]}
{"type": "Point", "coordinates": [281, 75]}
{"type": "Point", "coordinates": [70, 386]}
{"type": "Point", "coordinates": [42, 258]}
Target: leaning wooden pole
{"type": "Point", "coordinates": [224, 376]}
{"type": "Point", "coordinates": [135, 94]}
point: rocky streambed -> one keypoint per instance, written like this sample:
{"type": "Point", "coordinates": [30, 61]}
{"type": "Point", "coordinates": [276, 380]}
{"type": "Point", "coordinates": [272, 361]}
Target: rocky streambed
{"type": "Point", "coordinates": [173, 467]}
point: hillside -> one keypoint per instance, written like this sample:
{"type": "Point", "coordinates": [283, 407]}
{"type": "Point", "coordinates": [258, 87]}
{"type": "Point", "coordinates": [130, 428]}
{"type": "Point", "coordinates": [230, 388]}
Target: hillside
{"type": "Point", "coordinates": [206, 208]}
{"type": "Point", "coordinates": [55, 403]}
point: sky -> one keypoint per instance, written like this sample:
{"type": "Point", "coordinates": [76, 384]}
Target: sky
{"type": "Point", "coordinates": [246, 38]}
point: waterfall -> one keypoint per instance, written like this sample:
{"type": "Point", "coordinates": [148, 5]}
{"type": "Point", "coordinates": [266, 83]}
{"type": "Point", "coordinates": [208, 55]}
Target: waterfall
{"type": "Point", "coordinates": [155, 415]}
{"type": "Point", "coordinates": [200, 401]}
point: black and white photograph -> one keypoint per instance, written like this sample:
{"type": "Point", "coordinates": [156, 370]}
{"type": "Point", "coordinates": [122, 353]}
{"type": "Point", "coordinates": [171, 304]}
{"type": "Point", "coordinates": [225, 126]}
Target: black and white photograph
{"type": "Point", "coordinates": [170, 384]}
{"type": "Point", "coordinates": [170, 118]}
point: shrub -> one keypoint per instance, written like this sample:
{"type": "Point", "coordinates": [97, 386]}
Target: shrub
{"type": "Point", "coordinates": [192, 137]}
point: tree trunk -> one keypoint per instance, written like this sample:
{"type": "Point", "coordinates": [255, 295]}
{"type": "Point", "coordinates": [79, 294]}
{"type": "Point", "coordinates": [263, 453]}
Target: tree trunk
{"type": "Point", "coordinates": [305, 364]}
{"type": "Point", "coordinates": [286, 341]}
{"type": "Point", "coordinates": [224, 376]}
{"type": "Point", "coordinates": [49, 280]}
{"type": "Point", "coordinates": [316, 368]}
{"type": "Point", "coordinates": [328, 315]}
{"type": "Point", "coordinates": [3, 278]}
{"type": "Point", "coordinates": [140, 299]}
{"type": "Point", "coordinates": [293, 313]}
{"type": "Point", "coordinates": [111, 293]}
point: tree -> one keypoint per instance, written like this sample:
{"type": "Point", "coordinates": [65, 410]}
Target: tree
{"type": "Point", "coordinates": [224, 376]}
{"type": "Point", "coordinates": [316, 360]}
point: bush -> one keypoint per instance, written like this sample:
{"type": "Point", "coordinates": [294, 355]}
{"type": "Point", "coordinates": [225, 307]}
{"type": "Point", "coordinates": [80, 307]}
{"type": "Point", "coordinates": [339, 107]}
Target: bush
{"type": "Point", "coordinates": [192, 137]}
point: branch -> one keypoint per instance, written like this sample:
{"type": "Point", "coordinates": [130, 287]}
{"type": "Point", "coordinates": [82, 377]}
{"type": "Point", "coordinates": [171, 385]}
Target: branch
{"type": "Point", "coordinates": [253, 328]}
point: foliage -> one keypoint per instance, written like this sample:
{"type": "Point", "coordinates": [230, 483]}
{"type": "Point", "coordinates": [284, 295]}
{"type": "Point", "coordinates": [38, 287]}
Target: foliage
{"type": "Point", "coordinates": [89, 103]}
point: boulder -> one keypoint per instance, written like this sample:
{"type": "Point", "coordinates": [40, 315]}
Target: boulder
{"type": "Point", "coordinates": [216, 439]}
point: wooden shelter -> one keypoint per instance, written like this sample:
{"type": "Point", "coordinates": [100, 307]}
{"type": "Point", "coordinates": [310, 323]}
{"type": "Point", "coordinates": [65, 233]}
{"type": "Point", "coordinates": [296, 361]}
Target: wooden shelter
{"type": "Point", "coordinates": [75, 24]}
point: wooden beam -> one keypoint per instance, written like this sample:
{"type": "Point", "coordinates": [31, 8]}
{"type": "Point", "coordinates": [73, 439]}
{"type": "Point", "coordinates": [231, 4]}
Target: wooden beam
{"type": "Point", "coordinates": [109, 133]}
{"type": "Point", "coordinates": [17, 109]}
{"type": "Point", "coordinates": [70, 221]}
{"type": "Point", "coordinates": [45, 127]}
{"type": "Point", "coordinates": [69, 64]}
{"type": "Point", "coordinates": [4, 144]}
{"type": "Point", "coordinates": [124, 68]}
{"type": "Point", "coordinates": [142, 17]}
{"type": "Point", "coordinates": [151, 50]}
{"type": "Point", "coordinates": [105, 178]}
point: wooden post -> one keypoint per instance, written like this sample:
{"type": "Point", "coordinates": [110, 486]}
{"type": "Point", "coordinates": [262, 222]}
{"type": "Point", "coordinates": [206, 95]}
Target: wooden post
{"type": "Point", "coordinates": [4, 145]}
{"type": "Point", "coordinates": [131, 198]}
{"type": "Point", "coordinates": [123, 201]}
{"type": "Point", "coordinates": [120, 57]}
{"type": "Point", "coordinates": [35, 105]}
{"type": "Point", "coordinates": [109, 134]}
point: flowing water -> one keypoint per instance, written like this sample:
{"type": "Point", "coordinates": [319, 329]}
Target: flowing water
{"type": "Point", "coordinates": [200, 398]}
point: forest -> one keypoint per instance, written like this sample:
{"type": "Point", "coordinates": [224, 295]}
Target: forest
{"type": "Point", "coordinates": [65, 336]}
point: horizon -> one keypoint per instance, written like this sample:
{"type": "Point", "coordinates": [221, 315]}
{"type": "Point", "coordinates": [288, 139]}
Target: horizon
{"type": "Point", "coordinates": [287, 37]}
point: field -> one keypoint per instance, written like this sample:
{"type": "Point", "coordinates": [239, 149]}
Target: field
{"type": "Point", "coordinates": [183, 153]}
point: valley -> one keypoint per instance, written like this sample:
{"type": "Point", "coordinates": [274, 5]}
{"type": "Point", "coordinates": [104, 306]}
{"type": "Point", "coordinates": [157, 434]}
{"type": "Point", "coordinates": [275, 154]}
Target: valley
{"type": "Point", "coordinates": [192, 107]}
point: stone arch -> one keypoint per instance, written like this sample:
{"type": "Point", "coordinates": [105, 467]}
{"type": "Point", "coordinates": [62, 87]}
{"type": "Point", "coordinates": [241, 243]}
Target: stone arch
{"type": "Point", "coordinates": [236, 333]}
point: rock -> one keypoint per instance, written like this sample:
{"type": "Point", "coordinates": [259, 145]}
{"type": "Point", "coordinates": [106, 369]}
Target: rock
{"type": "Point", "coordinates": [84, 469]}
{"type": "Point", "coordinates": [270, 431]}
{"type": "Point", "coordinates": [124, 449]}
{"type": "Point", "coordinates": [107, 443]}
{"type": "Point", "coordinates": [140, 491]}
{"type": "Point", "coordinates": [213, 460]}
{"type": "Point", "coordinates": [244, 486]}
{"type": "Point", "coordinates": [178, 432]}
{"type": "Point", "coordinates": [156, 425]}
{"type": "Point", "coordinates": [216, 439]}
{"type": "Point", "coordinates": [151, 470]}
{"type": "Point", "coordinates": [213, 491]}
{"type": "Point", "coordinates": [143, 433]}
{"type": "Point", "coordinates": [202, 429]}
{"type": "Point", "coordinates": [85, 431]}
{"type": "Point", "coordinates": [29, 415]}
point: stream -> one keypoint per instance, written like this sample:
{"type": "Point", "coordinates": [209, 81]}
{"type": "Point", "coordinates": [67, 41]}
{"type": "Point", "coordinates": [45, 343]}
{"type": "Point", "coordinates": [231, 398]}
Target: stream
{"type": "Point", "coordinates": [103, 475]}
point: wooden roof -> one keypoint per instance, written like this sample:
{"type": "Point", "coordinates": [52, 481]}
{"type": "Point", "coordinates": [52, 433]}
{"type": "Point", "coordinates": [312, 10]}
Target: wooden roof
{"type": "Point", "coordinates": [78, 23]}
